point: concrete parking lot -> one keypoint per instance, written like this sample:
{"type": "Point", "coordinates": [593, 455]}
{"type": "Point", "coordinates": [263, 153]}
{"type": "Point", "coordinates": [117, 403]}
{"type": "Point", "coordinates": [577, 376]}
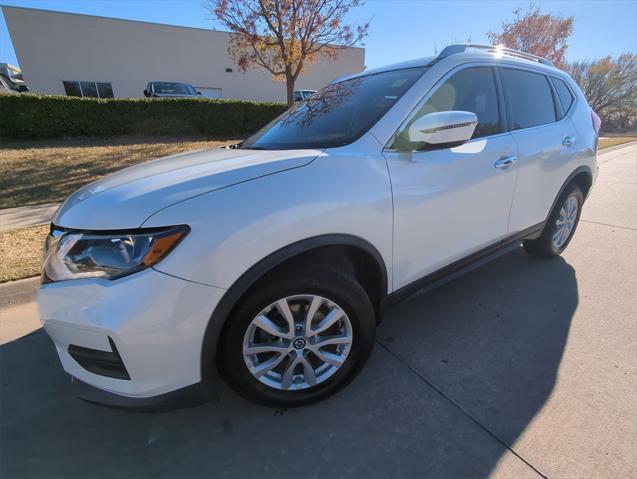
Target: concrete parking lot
{"type": "Point", "coordinates": [522, 368]}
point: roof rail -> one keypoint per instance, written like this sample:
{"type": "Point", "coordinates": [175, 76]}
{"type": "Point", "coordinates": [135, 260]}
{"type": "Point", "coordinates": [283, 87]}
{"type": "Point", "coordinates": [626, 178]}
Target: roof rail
{"type": "Point", "coordinates": [463, 47]}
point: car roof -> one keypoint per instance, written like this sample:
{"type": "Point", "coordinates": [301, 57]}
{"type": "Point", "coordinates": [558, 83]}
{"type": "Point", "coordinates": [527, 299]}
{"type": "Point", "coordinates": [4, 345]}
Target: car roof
{"type": "Point", "coordinates": [463, 52]}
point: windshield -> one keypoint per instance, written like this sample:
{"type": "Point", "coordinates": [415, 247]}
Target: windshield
{"type": "Point", "coordinates": [336, 115]}
{"type": "Point", "coordinates": [167, 88]}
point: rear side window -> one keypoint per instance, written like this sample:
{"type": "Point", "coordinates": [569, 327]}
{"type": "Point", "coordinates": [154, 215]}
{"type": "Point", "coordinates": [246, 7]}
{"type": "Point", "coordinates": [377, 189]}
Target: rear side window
{"type": "Point", "coordinates": [564, 94]}
{"type": "Point", "coordinates": [530, 98]}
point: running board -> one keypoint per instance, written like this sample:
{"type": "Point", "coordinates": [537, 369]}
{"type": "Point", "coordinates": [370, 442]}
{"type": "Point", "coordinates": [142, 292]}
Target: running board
{"type": "Point", "coordinates": [464, 265]}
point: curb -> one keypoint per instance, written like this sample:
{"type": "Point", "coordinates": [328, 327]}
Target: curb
{"type": "Point", "coordinates": [25, 216]}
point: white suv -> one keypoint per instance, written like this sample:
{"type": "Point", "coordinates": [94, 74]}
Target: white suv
{"type": "Point", "coordinates": [273, 259]}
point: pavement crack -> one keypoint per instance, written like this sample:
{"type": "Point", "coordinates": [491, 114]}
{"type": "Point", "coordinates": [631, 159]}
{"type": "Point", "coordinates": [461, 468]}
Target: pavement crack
{"type": "Point", "coordinates": [461, 408]}
{"type": "Point", "coordinates": [610, 226]}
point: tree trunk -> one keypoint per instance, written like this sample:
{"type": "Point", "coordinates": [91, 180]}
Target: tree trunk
{"type": "Point", "coordinates": [289, 84]}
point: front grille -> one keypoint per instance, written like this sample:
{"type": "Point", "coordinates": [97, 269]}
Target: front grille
{"type": "Point", "coordinates": [104, 363]}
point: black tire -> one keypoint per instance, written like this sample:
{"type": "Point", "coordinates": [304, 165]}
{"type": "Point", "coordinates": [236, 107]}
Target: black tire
{"type": "Point", "coordinates": [543, 246]}
{"type": "Point", "coordinates": [333, 284]}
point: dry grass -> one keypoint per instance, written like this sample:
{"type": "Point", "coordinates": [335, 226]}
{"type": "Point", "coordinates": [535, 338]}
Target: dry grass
{"type": "Point", "coordinates": [21, 252]}
{"type": "Point", "coordinates": [617, 140]}
{"type": "Point", "coordinates": [37, 172]}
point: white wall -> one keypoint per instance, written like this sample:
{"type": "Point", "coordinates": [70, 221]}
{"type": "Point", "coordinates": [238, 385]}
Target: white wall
{"type": "Point", "coordinates": [53, 46]}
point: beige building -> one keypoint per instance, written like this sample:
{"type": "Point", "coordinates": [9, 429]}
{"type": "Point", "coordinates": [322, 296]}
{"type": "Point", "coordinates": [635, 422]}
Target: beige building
{"type": "Point", "coordinates": [62, 53]}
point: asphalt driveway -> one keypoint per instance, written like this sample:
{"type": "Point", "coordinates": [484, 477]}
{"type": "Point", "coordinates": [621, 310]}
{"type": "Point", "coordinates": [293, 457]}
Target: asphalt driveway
{"type": "Point", "coordinates": [522, 368]}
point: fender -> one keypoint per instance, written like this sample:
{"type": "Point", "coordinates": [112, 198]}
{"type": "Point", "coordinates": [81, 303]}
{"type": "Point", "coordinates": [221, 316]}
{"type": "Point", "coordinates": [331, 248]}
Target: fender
{"type": "Point", "coordinates": [577, 171]}
{"type": "Point", "coordinates": [256, 272]}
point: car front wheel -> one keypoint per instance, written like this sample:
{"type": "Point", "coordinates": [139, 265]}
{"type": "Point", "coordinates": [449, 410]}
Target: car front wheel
{"type": "Point", "coordinates": [299, 337]}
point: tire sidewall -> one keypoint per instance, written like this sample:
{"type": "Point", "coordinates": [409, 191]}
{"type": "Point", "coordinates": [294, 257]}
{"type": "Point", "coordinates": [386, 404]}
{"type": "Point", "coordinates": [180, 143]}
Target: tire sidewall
{"type": "Point", "coordinates": [330, 284]}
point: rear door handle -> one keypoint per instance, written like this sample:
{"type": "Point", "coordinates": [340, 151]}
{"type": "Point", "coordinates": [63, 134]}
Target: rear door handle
{"type": "Point", "coordinates": [569, 141]}
{"type": "Point", "coordinates": [506, 162]}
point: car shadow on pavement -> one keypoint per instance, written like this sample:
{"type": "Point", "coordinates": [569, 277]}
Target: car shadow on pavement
{"type": "Point", "coordinates": [455, 368]}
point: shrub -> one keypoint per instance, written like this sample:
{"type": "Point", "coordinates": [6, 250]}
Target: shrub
{"type": "Point", "coordinates": [43, 116]}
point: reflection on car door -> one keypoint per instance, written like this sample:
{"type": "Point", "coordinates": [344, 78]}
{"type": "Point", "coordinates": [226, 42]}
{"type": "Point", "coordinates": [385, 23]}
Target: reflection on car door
{"type": "Point", "coordinates": [450, 202]}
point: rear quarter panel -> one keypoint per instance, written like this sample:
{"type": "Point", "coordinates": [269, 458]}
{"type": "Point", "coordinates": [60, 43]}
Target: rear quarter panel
{"type": "Point", "coordinates": [587, 137]}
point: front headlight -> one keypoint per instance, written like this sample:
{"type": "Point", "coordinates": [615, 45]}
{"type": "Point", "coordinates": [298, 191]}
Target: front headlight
{"type": "Point", "coordinates": [76, 254]}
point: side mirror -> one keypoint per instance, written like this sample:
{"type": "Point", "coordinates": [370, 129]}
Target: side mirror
{"type": "Point", "coordinates": [198, 93]}
{"type": "Point", "coordinates": [146, 94]}
{"type": "Point", "coordinates": [443, 127]}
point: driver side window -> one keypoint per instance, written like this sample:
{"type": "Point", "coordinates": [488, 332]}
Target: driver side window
{"type": "Point", "coordinates": [472, 89]}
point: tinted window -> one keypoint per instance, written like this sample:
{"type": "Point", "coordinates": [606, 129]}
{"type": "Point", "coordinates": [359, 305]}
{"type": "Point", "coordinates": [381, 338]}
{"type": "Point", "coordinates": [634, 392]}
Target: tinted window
{"type": "Point", "coordinates": [72, 88]}
{"type": "Point", "coordinates": [563, 93]}
{"type": "Point", "coordinates": [530, 98]}
{"type": "Point", "coordinates": [336, 115]}
{"type": "Point", "coordinates": [471, 89]}
{"type": "Point", "coordinates": [89, 89]}
{"type": "Point", "coordinates": [168, 88]}
{"type": "Point", "coordinates": [105, 90]}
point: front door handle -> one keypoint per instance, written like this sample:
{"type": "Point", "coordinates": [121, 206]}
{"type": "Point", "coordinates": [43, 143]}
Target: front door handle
{"type": "Point", "coordinates": [569, 141]}
{"type": "Point", "coordinates": [506, 162]}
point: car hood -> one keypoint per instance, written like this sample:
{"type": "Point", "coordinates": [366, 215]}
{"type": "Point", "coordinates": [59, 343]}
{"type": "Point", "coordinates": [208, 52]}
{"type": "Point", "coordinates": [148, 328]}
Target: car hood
{"type": "Point", "coordinates": [127, 198]}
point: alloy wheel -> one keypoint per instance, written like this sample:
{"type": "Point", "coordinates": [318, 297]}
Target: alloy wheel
{"type": "Point", "coordinates": [297, 342]}
{"type": "Point", "coordinates": [565, 222]}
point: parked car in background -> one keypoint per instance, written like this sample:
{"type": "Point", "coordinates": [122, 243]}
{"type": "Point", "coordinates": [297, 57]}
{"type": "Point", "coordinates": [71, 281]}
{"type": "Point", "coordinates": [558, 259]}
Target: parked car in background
{"type": "Point", "coordinates": [274, 259]}
{"type": "Point", "coordinates": [5, 87]}
{"type": "Point", "coordinates": [303, 95]}
{"type": "Point", "coordinates": [164, 89]}
{"type": "Point", "coordinates": [12, 76]}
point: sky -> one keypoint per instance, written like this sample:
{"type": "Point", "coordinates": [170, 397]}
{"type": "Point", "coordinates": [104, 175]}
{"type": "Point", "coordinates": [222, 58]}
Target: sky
{"type": "Point", "coordinates": [399, 29]}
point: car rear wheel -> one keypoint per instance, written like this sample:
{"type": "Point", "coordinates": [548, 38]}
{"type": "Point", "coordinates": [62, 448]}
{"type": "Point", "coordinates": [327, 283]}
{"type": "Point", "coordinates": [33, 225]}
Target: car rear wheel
{"type": "Point", "coordinates": [299, 337]}
{"type": "Point", "coordinates": [560, 227]}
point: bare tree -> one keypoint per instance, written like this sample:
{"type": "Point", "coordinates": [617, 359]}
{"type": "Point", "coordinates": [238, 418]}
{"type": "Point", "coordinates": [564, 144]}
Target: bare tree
{"type": "Point", "coordinates": [610, 86]}
{"type": "Point", "coordinates": [286, 36]}
{"type": "Point", "coordinates": [537, 33]}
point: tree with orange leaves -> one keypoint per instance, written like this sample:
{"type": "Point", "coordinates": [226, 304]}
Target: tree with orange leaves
{"type": "Point", "coordinates": [538, 33]}
{"type": "Point", "coordinates": [286, 36]}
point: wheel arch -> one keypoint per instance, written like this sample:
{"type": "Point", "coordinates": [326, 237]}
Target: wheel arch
{"type": "Point", "coordinates": [582, 176]}
{"type": "Point", "coordinates": [359, 255]}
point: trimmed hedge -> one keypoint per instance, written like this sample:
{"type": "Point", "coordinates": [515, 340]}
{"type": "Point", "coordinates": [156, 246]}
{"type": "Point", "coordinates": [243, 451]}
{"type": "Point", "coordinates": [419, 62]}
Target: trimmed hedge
{"type": "Point", "coordinates": [43, 116]}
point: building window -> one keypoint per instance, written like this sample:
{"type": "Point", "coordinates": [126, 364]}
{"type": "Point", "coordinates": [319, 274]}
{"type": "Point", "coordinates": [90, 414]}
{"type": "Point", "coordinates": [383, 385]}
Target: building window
{"type": "Point", "coordinates": [89, 89]}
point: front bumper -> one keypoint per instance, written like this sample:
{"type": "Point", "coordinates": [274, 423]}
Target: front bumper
{"type": "Point", "coordinates": [150, 322]}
